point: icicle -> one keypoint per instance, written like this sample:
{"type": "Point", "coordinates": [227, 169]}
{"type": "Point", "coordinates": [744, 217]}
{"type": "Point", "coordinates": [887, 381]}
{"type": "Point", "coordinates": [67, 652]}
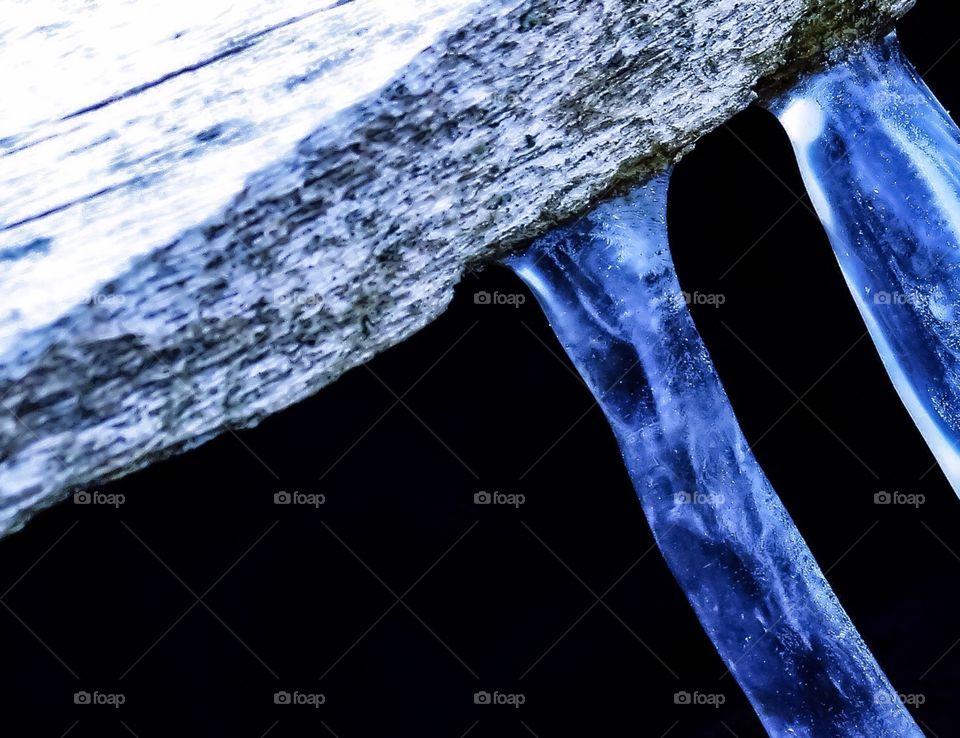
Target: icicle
{"type": "Point", "coordinates": [608, 287]}
{"type": "Point", "coordinates": [881, 160]}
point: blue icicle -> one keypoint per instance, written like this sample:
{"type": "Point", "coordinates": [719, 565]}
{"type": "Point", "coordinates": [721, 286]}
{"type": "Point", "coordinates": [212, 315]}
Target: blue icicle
{"type": "Point", "coordinates": [881, 161]}
{"type": "Point", "coordinates": [609, 289]}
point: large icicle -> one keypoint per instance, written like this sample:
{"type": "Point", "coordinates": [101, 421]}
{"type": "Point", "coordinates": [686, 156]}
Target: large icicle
{"type": "Point", "coordinates": [608, 287]}
{"type": "Point", "coordinates": [881, 160]}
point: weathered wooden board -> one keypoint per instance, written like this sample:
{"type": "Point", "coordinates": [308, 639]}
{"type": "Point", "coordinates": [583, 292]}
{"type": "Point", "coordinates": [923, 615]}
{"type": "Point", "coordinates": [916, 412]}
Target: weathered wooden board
{"type": "Point", "coordinates": [209, 210]}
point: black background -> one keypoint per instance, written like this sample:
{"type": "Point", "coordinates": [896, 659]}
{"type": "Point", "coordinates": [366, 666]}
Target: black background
{"type": "Point", "coordinates": [502, 599]}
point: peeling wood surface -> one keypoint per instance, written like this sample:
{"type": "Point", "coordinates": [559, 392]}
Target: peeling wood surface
{"type": "Point", "coordinates": [209, 210]}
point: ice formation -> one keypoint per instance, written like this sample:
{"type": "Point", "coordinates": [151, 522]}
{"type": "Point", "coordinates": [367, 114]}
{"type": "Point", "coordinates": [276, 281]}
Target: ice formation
{"type": "Point", "coordinates": [881, 160]}
{"type": "Point", "coordinates": [609, 289]}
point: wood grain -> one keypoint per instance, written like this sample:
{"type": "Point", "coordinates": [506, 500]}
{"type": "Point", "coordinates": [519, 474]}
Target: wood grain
{"type": "Point", "coordinates": [210, 210]}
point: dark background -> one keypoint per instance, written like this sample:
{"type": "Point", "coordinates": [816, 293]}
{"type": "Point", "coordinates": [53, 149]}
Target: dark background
{"type": "Point", "coordinates": [294, 598]}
